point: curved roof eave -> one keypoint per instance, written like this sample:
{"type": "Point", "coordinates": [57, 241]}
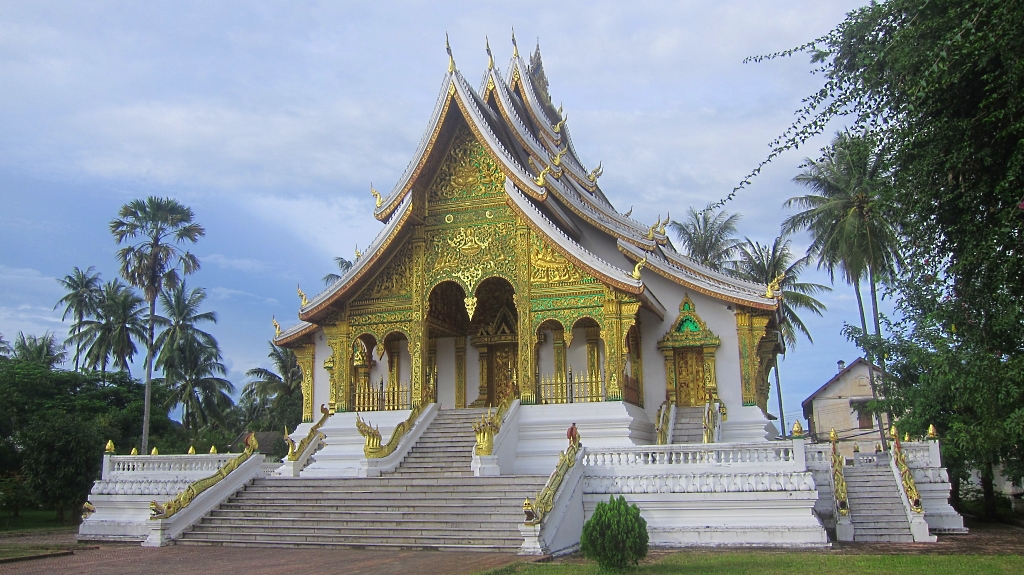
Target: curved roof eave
{"type": "Point", "coordinates": [727, 289]}
{"type": "Point", "coordinates": [295, 333]}
{"type": "Point", "coordinates": [362, 265]}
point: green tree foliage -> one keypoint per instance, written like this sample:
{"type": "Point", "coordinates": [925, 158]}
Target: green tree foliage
{"type": "Point", "coordinates": [938, 86]}
{"type": "Point", "coordinates": [343, 266]}
{"type": "Point", "coordinates": [83, 296]}
{"type": "Point", "coordinates": [43, 349]}
{"type": "Point", "coordinates": [762, 264]}
{"type": "Point", "coordinates": [195, 383]}
{"type": "Point", "coordinates": [5, 347]}
{"type": "Point", "coordinates": [61, 456]}
{"type": "Point", "coordinates": [181, 332]}
{"type": "Point", "coordinates": [273, 400]}
{"type": "Point", "coordinates": [708, 236]}
{"type": "Point", "coordinates": [157, 225]}
{"type": "Point", "coordinates": [615, 535]}
{"type": "Point", "coordinates": [113, 328]}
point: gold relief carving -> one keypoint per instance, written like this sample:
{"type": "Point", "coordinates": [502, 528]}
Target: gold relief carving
{"type": "Point", "coordinates": [548, 266]}
{"type": "Point", "coordinates": [393, 280]}
{"type": "Point", "coordinates": [467, 172]}
{"type": "Point", "coordinates": [691, 376]}
{"type": "Point", "coordinates": [304, 358]}
{"type": "Point", "coordinates": [470, 254]}
{"type": "Point", "coordinates": [470, 306]}
{"type": "Point", "coordinates": [750, 329]}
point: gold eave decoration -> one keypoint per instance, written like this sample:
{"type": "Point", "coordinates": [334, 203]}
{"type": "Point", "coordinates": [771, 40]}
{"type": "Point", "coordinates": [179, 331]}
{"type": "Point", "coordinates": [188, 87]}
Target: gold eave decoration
{"type": "Point", "coordinates": [186, 497]}
{"type": "Point", "coordinates": [296, 337]}
{"type": "Point", "coordinates": [655, 266]}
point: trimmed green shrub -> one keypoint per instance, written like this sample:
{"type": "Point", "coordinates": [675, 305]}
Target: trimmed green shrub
{"type": "Point", "coordinates": [616, 535]}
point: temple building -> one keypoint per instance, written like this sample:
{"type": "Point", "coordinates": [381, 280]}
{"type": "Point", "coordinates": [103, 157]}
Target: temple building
{"type": "Point", "coordinates": [503, 271]}
{"type": "Point", "coordinates": [510, 351]}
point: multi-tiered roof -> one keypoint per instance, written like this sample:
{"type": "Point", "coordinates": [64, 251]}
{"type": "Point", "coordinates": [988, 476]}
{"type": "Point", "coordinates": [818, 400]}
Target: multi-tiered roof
{"type": "Point", "coordinates": [547, 185]}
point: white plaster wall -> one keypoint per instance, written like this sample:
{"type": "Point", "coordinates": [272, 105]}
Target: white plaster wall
{"type": "Point", "coordinates": [546, 354]}
{"type": "Point", "coordinates": [380, 366]}
{"type": "Point", "coordinates": [405, 362]}
{"type": "Point", "coordinates": [654, 362]}
{"type": "Point", "coordinates": [321, 379]}
{"type": "Point", "coordinates": [472, 373]}
{"type": "Point", "coordinates": [446, 372]}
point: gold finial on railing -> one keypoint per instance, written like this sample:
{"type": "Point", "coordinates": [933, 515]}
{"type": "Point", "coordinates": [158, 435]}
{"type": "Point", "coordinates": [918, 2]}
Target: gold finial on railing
{"type": "Point", "coordinates": [906, 437]}
{"type": "Point", "coordinates": [856, 447]}
{"type": "Point", "coordinates": [110, 446]}
{"type": "Point", "coordinates": [155, 451]}
{"type": "Point", "coordinates": [213, 449]}
{"type": "Point", "coordinates": [932, 432]}
{"type": "Point", "coordinates": [528, 511]}
{"type": "Point", "coordinates": [893, 434]}
{"type": "Point", "coordinates": [798, 429]}
{"type": "Point", "coordinates": [191, 449]}
{"type": "Point", "coordinates": [833, 436]}
{"type": "Point", "coordinates": [135, 451]}
{"type": "Point", "coordinates": [878, 447]}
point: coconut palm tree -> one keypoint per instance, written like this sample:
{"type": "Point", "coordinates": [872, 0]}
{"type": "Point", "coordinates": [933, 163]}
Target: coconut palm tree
{"type": "Point", "coordinates": [5, 347]}
{"type": "Point", "coordinates": [708, 236]}
{"type": "Point", "coordinates": [270, 385]}
{"type": "Point", "coordinates": [848, 230]}
{"type": "Point", "coordinates": [111, 333]}
{"type": "Point", "coordinates": [83, 289]}
{"type": "Point", "coordinates": [195, 384]}
{"type": "Point", "coordinates": [152, 264]}
{"type": "Point", "coordinates": [343, 266]}
{"type": "Point", "coordinates": [763, 263]}
{"type": "Point", "coordinates": [43, 349]}
{"type": "Point", "coordinates": [181, 307]}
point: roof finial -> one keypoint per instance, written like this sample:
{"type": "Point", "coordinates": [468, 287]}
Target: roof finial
{"type": "Point", "coordinates": [629, 213]}
{"type": "Point", "coordinates": [639, 266]}
{"type": "Point", "coordinates": [277, 326]}
{"type": "Point", "coordinates": [490, 57]}
{"type": "Point", "coordinates": [515, 48]}
{"type": "Point", "coordinates": [540, 179]}
{"type": "Point", "coordinates": [451, 59]}
{"type": "Point", "coordinates": [302, 295]}
{"type": "Point", "coordinates": [376, 195]}
{"type": "Point", "coordinates": [596, 173]}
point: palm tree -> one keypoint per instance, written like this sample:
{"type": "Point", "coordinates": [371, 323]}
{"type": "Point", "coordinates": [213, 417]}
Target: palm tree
{"type": "Point", "coordinates": [152, 264]}
{"type": "Point", "coordinates": [181, 307]}
{"type": "Point", "coordinates": [708, 236]}
{"type": "Point", "coordinates": [269, 384]}
{"type": "Point", "coordinates": [111, 333]}
{"type": "Point", "coordinates": [848, 230]}
{"type": "Point", "coordinates": [195, 384]}
{"type": "Point", "coordinates": [5, 347]}
{"type": "Point", "coordinates": [83, 289]}
{"type": "Point", "coordinates": [343, 266]}
{"type": "Point", "coordinates": [763, 263]}
{"type": "Point", "coordinates": [43, 349]}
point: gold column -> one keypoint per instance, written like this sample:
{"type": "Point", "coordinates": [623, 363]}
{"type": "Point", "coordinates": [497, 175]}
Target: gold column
{"type": "Point", "coordinates": [338, 365]}
{"type": "Point", "coordinates": [594, 360]}
{"type": "Point", "coordinates": [394, 362]}
{"type": "Point", "coordinates": [432, 366]}
{"type": "Point", "coordinates": [304, 357]}
{"type": "Point", "coordinates": [750, 329]}
{"type": "Point", "coordinates": [670, 375]}
{"type": "Point", "coordinates": [558, 335]}
{"type": "Point", "coordinates": [418, 329]}
{"type": "Point", "coordinates": [619, 313]}
{"type": "Point", "coordinates": [460, 371]}
{"type": "Point", "coordinates": [527, 357]}
{"type": "Point", "coordinates": [483, 399]}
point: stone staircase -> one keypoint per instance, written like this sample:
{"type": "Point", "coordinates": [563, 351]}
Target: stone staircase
{"type": "Point", "coordinates": [689, 426]}
{"type": "Point", "coordinates": [876, 507]}
{"type": "Point", "coordinates": [431, 501]}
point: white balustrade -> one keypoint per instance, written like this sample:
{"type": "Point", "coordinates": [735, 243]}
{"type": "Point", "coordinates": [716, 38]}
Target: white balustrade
{"type": "Point", "coordinates": [773, 455]}
{"type": "Point", "coordinates": [154, 465]}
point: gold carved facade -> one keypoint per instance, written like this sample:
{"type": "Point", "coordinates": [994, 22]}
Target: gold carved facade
{"type": "Point", "coordinates": [689, 352]}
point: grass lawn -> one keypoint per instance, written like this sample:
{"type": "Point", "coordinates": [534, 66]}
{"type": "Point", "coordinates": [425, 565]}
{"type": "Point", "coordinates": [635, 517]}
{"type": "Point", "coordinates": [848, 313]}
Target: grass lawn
{"type": "Point", "coordinates": [818, 563]}
{"type": "Point", "coordinates": [31, 519]}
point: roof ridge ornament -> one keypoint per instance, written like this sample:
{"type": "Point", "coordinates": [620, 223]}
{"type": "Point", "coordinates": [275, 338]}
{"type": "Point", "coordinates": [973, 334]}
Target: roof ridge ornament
{"type": "Point", "coordinates": [629, 213]}
{"type": "Point", "coordinates": [302, 296]}
{"type": "Point", "coordinates": [376, 195]}
{"type": "Point", "coordinates": [277, 327]}
{"type": "Point", "coordinates": [359, 254]}
{"type": "Point", "coordinates": [541, 180]}
{"type": "Point", "coordinates": [451, 59]}
{"type": "Point", "coordinates": [661, 228]}
{"type": "Point", "coordinates": [557, 128]}
{"type": "Point", "coordinates": [490, 57]}
{"type": "Point", "coordinates": [557, 159]}
{"type": "Point", "coordinates": [774, 287]}
{"type": "Point", "coordinates": [515, 48]}
{"type": "Point", "coordinates": [639, 266]}
{"type": "Point", "coordinates": [596, 173]}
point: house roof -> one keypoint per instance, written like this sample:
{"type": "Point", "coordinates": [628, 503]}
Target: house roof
{"type": "Point", "coordinates": [806, 404]}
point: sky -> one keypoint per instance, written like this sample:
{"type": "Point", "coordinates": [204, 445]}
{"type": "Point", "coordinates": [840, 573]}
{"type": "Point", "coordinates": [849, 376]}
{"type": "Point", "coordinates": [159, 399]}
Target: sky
{"type": "Point", "coordinates": [271, 119]}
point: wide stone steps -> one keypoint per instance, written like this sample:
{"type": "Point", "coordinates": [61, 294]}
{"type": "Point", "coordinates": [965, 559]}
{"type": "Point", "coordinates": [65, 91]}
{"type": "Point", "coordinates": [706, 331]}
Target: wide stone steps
{"type": "Point", "coordinates": [876, 508]}
{"type": "Point", "coordinates": [430, 501]}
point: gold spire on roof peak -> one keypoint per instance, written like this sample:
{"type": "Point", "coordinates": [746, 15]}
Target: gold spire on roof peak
{"type": "Point", "coordinates": [490, 57]}
{"type": "Point", "coordinates": [515, 48]}
{"type": "Point", "coordinates": [451, 59]}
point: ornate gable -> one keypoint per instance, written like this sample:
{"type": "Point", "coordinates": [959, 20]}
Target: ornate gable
{"type": "Point", "coordinates": [689, 329]}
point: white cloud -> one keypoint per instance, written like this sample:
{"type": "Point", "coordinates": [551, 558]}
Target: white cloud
{"type": "Point", "coordinates": [223, 293]}
{"type": "Point", "coordinates": [247, 265]}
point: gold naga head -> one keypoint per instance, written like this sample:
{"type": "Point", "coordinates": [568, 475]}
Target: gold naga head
{"type": "Point", "coordinates": [639, 266]}
{"type": "Point", "coordinates": [541, 180]}
{"type": "Point", "coordinates": [302, 296]}
{"type": "Point", "coordinates": [596, 173]}
{"type": "Point", "coordinates": [557, 128]}
{"type": "Point", "coordinates": [774, 286]}
{"type": "Point", "coordinates": [557, 160]}
{"type": "Point", "coordinates": [277, 326]}
{"type": "Point", "coordinates": [376, 195]}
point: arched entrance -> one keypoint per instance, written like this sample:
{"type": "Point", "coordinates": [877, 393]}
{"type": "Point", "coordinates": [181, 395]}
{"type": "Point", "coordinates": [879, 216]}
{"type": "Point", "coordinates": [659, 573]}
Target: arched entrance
{"type": "Point", "coordinates": [494, 326]}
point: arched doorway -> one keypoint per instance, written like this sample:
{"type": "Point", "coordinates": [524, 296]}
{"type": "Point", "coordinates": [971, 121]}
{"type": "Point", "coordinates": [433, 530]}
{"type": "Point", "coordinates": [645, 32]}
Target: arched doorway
{"type": "Point", "coordinates": [447, 329]}
{"type": "Point", "coordinates": [494, 325]}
